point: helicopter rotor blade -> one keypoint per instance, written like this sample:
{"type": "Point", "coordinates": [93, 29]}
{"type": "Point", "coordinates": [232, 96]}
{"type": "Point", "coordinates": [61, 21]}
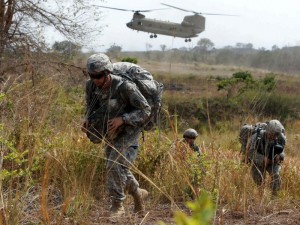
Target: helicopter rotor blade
{"type": "Point", "coordinates": [131, 10]}
{"type": "Point", "coordinates": [218, 14]}
{"type": "Point", "coordinates": [178, 8]}
{"type": "Point", "coordinates": [198, 13]}
{"type": "Point", "coordinates": [116, 8]}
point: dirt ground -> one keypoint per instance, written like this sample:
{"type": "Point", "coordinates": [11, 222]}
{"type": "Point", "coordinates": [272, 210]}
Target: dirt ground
{"type": "Point", "coordinates": [273, 211]}
{"type": "Point", "coordinates": [164, 212]}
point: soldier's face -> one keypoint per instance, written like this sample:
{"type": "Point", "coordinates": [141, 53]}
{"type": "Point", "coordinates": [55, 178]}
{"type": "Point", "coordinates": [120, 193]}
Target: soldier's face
{"type": "Point", "coordinates": [189, 140]}
{"type": "Point", "coordinates": [99, 78]}
{"type": "Point", "coordinates": [100, 81]}
{"type": "Point", "coordinates": [272, 136]}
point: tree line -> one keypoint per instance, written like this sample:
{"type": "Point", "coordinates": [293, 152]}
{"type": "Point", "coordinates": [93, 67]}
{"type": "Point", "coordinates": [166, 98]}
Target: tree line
{"type": "Point", "coordinates": [285, 59]}
{"type": "Point", "coordinates": [23, 40]}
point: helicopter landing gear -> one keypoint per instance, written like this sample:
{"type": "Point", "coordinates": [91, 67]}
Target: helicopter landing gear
{"type": "Point", "coordinates": [187, 40]}
{"type": "Point", "coordinates": [153, 36]}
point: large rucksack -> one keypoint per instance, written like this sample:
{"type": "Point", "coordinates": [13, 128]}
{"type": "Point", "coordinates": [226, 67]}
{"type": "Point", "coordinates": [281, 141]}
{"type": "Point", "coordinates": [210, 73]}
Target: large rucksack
{"type": "Point", "coordinates": [151, 89]}
{"type": "Point", "coordinates": [259, 129]}
{"type": "Point", "coordinates": [247, 131]}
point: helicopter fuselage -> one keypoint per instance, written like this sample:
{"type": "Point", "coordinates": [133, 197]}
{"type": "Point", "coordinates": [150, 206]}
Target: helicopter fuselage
{"type": "Point", "coordinates": [190, 27]}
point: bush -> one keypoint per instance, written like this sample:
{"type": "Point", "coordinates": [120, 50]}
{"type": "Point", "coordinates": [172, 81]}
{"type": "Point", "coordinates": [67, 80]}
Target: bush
{"type": "Point", "coordinates": [130, 59]}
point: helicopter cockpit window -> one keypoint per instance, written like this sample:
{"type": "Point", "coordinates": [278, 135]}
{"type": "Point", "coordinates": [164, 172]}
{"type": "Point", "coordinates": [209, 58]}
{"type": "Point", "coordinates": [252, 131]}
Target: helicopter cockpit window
{"type": "Point", "coordinates": [140, 23]}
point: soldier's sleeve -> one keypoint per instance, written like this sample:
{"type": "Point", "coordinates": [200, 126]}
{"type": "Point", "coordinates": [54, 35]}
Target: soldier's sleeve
{"type": "Point", "coordinates": [198, 150]}
{"type": "Point", "coordinates": [282, 141]}
{"type": "Point", "coordinates": [140, 109]}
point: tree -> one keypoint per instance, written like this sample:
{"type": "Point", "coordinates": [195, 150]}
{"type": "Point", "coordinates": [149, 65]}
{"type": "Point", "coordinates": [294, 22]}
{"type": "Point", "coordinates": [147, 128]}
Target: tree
{"type": "Point", "coordinates": [148, 49]}
{"type": "Point", "coordinates": [244, 46]}
{"type": "Point", "coordinates": [22, 22]}
{"type": "Point", "coordinates": [205, 44]}
{"type": "Point", "coordinates": [66, 48]}
{"type": "Point", "coordinates": [163, 47]}
{"type": "Point", "coordinates": [114, 50]}
{"type": "Point", "coordinates": [275, 47]}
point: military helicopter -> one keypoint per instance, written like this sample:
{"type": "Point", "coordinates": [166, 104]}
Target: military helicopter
{"type": "Point", "coordinates": [190, 27]}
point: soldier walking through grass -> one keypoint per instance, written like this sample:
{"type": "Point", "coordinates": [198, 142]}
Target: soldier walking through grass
{"type": "Point", "coordinates": [189, 137]}
{"type": "Point", "coordinates": [187, 154]}
{"type": "Point", "coordinates": [266, 153]}
{"type": "Point", "coordinates": [116, 111]}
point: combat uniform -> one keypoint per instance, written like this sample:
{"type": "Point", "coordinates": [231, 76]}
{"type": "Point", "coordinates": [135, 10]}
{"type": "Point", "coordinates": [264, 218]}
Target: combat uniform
{"type": "Point", "coordinates": [262, 155]}
{"type": "Point", "coordinates": [187, 147]}
{"type": "Point", "coordinates": [123, 99]}
{"type": "Point", "coordinates": [196, 148]}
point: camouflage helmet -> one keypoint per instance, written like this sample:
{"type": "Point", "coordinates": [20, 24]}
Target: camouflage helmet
{"type": "Point", "coordinates": [190, 133]}
{"type": "Point", "coordinates": [274, 127]}
{"type": "Point", "coordinates": [97, 63]}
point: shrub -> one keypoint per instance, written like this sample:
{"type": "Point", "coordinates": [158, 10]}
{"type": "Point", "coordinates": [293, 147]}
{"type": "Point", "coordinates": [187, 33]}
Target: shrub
{"type": "Point", "coordinates": [130, 59]}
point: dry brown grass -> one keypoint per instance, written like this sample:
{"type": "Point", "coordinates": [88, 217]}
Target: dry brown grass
{"type": "Point", "coordinates": [63, 174]}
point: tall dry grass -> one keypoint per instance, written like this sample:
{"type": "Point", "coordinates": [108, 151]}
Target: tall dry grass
{"type": "Point", "coordinates": [52, 174]}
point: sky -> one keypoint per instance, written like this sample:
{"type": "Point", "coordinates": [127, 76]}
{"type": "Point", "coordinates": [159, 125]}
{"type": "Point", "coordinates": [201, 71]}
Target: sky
{"type": "Point", "coordinates": [263, 23]}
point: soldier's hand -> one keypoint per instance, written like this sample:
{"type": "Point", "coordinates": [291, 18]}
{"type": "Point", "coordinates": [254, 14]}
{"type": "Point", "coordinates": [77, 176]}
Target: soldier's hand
{"type": "Point", "coordinates": [84, 126]}
{"type": "Point", "coordinates": [277, 159]}
{"type": "Point", "coordinates": [114, 124]}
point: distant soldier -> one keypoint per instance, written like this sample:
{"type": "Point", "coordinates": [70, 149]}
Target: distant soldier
{"type": "Point", "coordinates": [187, 153]}
{"type": "Point", "coordinates": [266, 152]}
{"type": "Point", "coordinates": [116, 111]}
{"type": "Point", "coordinates": [189, 137]}
{"type": "Point", "coordinates": [187, 145]}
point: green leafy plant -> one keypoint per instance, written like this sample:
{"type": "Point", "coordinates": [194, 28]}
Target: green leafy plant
{"type": "Point", "coordinates": [130, 59]}
{"type": "Point", "coordinates": [238, 83]}
{"type": "Point", "coordinates": [203, 210]}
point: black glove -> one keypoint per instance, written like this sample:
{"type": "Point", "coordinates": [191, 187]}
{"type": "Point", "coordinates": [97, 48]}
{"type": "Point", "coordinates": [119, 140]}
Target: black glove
{"type": "Point", "coordinates": [278, 148]}
{"type": "Point", "coordinates": [275, 149]}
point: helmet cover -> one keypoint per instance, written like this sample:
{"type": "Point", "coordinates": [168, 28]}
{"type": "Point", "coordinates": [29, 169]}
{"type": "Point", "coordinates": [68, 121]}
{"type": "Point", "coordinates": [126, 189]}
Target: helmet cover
{"type": "Point", "coordinates": [97, 63]}
{"type": "Point", "coordinates": [190, 133]}
{"type": "Point", "coordinates": [274, 127]}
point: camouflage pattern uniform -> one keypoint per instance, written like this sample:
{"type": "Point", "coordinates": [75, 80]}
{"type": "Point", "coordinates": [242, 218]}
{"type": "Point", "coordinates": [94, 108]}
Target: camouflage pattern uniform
{"type": "Point", "coordinates": [196, 148]}
{"type": "Point", "coordinates": [262, 154]}
{"type": "Point", "coordinates": [184, 147]}
{"type": "Point", "coordinates": [193, 146]}
{"type": "Point", "coordinates": [125, 100]}
{"type": "Point", "coordinates": [246, 132]}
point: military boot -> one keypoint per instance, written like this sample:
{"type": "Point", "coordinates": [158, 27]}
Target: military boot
{"type": "Point", "coordinates": [139, 196]}
{"type": "Point", "coordinates": [117, 209]}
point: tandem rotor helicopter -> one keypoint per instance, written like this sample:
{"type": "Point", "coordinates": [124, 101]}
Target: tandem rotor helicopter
{"type": "Point", "coordinates": [190, 27]}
